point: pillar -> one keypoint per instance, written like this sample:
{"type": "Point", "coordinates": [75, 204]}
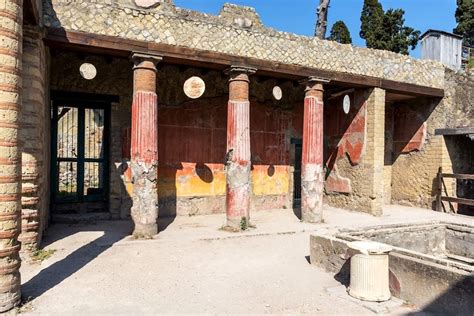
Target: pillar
{"type": "Point", "coordinates": [312, 171]}
{"type": "Point", "coordinates": [11, 15]}
{"type": "Point", "coordinates": [34, 139]}
{"type": "Point", "coordinates": [238, 163]}
{"type": "Point", "coordinates": [144, 146]}
{"type": "Point", "coordinates": [375, 150]}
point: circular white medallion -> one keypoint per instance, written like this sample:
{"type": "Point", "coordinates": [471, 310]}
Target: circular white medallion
{"type": "Point", "coordinates": [346, 104]}
{"type": "Point", "coordinates": [277, 93]}
{"type": "Point", "coordinates": [88, 71]}
{"type": "Point", "coordinates": [194, 87]}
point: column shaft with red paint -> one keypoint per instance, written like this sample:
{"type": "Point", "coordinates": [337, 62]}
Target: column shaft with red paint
{"type": "Point", "coordinates": [238, 164]}
{"type": "Point", "coordinates": [312, 171]}
{"type": "Point", "coordinates": [144, 146]}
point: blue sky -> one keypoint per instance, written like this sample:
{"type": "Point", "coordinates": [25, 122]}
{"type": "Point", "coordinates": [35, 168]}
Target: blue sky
{"type": "Point", "coordinates": [298, 16]}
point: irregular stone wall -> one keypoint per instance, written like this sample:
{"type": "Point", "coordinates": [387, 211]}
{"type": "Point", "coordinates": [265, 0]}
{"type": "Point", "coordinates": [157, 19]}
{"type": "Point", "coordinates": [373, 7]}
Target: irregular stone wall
{"type": "Point", "coordinates": [237, 31]}
{"type": "Point", "coordinates": [414, 173]}
{"type": "Point", "coordinates": [460, 87]}
{"type": "Point", "coordinates": [34, 137]}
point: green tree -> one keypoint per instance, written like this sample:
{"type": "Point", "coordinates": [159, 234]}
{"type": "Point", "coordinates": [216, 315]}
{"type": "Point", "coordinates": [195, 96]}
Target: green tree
{"type": "Point", "coordinates": [386, 30]}
{"type": "Point", "coordinates": [340, 33]}
{"type": "Point", "coordinates": [397, 37]}
{"type": "Point", "coordinates": [465, 20]}
{"type": "Point", "coordinates": [372, 20]}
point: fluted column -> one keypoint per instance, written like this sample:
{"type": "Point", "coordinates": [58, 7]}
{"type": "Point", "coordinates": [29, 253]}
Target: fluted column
{"type": "Point", "coordinates": [312, 171]}
{"type": "Point", "coordinates": [11, 15]}
{"type": "Point", "coordinates": [144, 146]}
{"type": "Point", "coordinates": [238, 149]}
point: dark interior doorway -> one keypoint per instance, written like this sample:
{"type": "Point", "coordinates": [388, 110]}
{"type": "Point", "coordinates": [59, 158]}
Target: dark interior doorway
{"type": "Point", "coordinates": [461, 153]}
{"type": "Point", "coordinates": [298, 151]}
{"type": "Point", "coordinates": [80, 153]}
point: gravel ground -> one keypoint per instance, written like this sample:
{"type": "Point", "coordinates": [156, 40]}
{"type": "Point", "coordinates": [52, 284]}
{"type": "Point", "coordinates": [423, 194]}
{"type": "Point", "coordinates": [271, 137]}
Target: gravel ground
{"type": "Point", "coordinates": [191, 267]}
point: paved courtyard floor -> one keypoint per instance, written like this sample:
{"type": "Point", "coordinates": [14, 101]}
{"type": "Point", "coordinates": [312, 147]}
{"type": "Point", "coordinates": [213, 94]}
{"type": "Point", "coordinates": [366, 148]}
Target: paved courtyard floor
{"type": "Point", "coordinates": [194, 267]}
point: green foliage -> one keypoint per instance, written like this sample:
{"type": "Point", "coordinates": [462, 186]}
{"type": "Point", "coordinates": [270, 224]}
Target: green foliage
{"type": "Point", "coordinates": [372, 20]}
{"type": "Point", "coordinates": [340, 33]}
{"type": "Point", "coordinates": [386, 30]}
{"type": "Point", "coordinates": [42, 254]}
{"type": "Point", "coordinates": [465, 20]}
{"type": "Point", "coordinates": [244, 225]}
{"type": "Point", "coordinates": [470, 65]}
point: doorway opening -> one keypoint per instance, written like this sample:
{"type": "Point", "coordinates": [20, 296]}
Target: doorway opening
{"type": "Point", "coordinates": [298, 152]}
{"type": "Point", "coordinates": [80, 154]}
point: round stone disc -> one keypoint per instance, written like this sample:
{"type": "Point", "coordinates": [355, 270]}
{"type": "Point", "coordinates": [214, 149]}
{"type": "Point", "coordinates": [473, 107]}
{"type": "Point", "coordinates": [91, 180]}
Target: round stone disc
{"type": "Point", "coordinates": [194, 87]}
{"type": "Point", "coordinates": [277, 93]}
{"type": "Point", "coordinates": [88, 71]}
{"type": "Point", "coordinates": [346, 104]}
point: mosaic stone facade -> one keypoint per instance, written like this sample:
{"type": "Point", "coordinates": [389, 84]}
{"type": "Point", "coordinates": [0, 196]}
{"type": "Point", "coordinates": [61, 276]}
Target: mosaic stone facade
{"type": "Point", "coordinates": [237, 31]}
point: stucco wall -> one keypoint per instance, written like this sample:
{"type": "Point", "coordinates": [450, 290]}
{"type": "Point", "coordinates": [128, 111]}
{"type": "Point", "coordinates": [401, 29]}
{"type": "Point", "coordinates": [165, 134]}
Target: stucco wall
{"type": "Point", "coordinates": [355, 151]}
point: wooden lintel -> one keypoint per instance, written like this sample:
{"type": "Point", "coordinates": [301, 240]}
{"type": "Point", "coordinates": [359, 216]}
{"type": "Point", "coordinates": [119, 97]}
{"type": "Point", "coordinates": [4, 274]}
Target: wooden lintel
{"type": "Point", "coordinates": [116, 46]}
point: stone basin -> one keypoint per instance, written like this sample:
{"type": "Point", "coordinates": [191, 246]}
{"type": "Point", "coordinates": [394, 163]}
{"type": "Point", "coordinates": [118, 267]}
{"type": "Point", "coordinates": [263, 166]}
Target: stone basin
{"type": "Point", "coordinates": [431, 265]}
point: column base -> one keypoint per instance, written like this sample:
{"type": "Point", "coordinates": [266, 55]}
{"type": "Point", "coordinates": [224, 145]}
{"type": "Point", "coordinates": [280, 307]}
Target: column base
{"type": "Point", "coordinates": [312, 190]}
{"type": "Point", "coordinates": [11, 299]}
{"type": "Point", "coordinates": [145, 231]}
{"type": "Point", "coordinates": [145, 200]}
{"type": "Point", "coordinates": [238, 224]}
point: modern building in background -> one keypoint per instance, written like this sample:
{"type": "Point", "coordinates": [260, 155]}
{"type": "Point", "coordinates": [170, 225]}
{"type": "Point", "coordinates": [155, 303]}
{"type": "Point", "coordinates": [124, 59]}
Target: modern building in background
{"type": "Point", "coordinates": [442, 46]}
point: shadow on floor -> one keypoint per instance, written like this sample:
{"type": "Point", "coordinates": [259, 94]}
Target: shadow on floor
{"type": "Point", "coordinates": [61, 270]}
{"type": "Point", "coordinates": [458, 300]}
{"type": "Point", "coordinates": [113, 231]}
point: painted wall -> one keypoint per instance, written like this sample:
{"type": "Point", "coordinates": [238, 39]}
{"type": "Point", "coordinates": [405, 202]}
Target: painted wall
{"type": "Point", "coordinates": [192, 135]}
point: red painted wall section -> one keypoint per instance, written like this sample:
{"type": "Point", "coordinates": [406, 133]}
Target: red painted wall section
{"type": "Point", "coordinates": [192, 148]}
{"type": "Point", "coordinates": [268, 129]}
{"type": "Point", "coordinates": [344, 135]}
{"type": "Point", "coordinates": [409, 133]}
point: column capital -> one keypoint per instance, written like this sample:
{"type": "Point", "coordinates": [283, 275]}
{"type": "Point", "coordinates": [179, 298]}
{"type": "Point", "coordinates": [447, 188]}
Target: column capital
{"type": "Point", "coordinates": [235, 72]}
{"type": "Point", "coordinates": [314, 84]}
{"type": "Point", "coordinates": [312, 81]}
{"type": "Point", "coordinates": [139, 60]}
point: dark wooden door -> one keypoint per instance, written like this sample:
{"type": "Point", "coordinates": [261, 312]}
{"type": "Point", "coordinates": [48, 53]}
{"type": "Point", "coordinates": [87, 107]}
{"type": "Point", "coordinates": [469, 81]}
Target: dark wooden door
{"type": "Point", "coordinates": [80, 150]}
